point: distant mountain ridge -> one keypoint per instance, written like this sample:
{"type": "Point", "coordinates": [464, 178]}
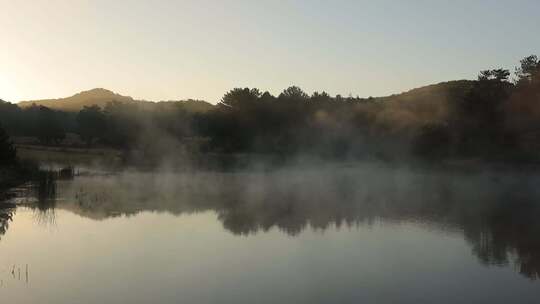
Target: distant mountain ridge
{"type": "Point", "coordinates": [100, 97]}
{"type": "Point", "coordinates": [414, 107]}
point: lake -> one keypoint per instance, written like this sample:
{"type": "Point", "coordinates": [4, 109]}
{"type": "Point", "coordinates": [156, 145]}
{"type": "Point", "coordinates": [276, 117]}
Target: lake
{"type": "Point", "coordinates": [356, 233]}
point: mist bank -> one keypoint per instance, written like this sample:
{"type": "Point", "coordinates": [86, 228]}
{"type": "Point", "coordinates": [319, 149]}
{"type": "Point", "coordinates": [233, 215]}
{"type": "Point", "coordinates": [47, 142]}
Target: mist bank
{"type": "Point", "coordinates": [492, 119]}
{"type": "Point", "coordinates": [496, 213]}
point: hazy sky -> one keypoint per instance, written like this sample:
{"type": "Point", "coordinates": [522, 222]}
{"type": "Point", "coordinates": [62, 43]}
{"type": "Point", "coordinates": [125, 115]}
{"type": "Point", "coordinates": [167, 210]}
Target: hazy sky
{"type": "Point", "coordinates": [162, 50]}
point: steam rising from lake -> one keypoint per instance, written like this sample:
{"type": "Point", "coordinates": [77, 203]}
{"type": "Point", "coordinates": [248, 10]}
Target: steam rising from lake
{"type": "Point", "coordinates": [495, 211]}
{"type": "Point", "coordinates": [166, 232]}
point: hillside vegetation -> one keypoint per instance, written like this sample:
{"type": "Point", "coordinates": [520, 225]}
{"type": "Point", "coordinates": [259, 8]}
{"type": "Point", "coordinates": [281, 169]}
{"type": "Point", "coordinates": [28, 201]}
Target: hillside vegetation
{"type": "Point", "coordinates": [492, 118]}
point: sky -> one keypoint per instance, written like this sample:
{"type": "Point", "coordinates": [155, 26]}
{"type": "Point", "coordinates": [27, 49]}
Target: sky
{"type": "Point", "coordinates": [179, 49]}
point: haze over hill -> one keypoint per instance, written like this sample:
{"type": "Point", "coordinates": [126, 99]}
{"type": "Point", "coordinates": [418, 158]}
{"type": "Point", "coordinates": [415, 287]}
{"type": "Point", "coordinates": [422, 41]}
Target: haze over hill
{"type": "Point", "coordinates": [101, 97]}
{"type": "Point", "coordinates": [491, 118]}
{"type": "Point", "coordinates": [432, 103]}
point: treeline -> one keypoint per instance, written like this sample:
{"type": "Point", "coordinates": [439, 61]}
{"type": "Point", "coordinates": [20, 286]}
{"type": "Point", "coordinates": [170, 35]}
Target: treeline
{"type": "Point", "coordinates": [13, 171]}
{"type": "Point", "coordinates": [496, 116]}
{"type": "Point", "coordinates": [47, 125]}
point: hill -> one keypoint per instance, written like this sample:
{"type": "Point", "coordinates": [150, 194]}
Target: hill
{"type": "Point", "coordinates": [399, 111]}
{"type": "Point", "coordinates": [432, 103]}
{"type": "Point", "coordinates": [75, 103]}
{"type": "Point", "coordinates": [101, 97]}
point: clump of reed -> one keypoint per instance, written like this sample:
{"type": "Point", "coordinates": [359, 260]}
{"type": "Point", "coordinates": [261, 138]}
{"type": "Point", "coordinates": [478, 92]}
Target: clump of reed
{"type": "Point", "coordinates": [45, 185]}
{"type": "Point", "coordinates": [67, 173]}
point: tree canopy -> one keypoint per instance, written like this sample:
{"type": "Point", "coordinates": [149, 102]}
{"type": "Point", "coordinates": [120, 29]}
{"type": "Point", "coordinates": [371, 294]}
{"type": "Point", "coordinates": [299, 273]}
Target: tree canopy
{"type": "Point", "coordinates": [492, 116]}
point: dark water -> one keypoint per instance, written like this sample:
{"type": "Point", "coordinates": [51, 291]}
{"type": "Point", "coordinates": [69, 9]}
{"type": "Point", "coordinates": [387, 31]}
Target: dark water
{"type": "Point", "coordinates": [334, 234]}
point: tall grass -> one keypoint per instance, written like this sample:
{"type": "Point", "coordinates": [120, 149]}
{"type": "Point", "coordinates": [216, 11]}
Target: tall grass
{"type": "Point", "coordinates": [46, 185]}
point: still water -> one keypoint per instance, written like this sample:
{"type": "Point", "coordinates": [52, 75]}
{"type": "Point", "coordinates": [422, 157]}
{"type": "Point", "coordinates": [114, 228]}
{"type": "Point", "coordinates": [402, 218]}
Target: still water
{"type": "Point", "coordinates": [336, 234]}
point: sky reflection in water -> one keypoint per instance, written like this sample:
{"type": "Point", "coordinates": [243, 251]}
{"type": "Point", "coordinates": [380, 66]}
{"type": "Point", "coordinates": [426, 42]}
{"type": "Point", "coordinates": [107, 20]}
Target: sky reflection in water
{"type": "Point", "coordinates": [344, 234]}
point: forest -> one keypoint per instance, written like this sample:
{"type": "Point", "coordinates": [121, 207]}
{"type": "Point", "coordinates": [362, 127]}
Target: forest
{"type": "Point", "coordinates": [496, 117]}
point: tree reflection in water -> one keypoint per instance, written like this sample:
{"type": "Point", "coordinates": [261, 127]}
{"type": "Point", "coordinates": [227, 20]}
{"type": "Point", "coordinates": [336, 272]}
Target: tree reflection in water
{"type": "Point", "coordinates": [496, 212]}
{"type": "Point", "coordinates": [6, 216]}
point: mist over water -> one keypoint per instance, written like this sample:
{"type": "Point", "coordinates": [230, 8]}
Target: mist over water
{"type": "Point", "coordinates": [290, 234]}
{"type": "Point", "coordinates": [299, 159]}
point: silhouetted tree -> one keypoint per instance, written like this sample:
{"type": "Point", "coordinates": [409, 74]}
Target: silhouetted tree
{"type": "Point", "coordinates": [241, 97]}
{"type": "Point", "coordinates": [49, 128]}
{"type": "Point", "coordinates": [480, 117]}
{"type": "Point", "coordinates": [8, 153]}
{"type": "Point", "coordinates": [293, 93]}
{"type": "Point", "coordinates": [91, 123]}
{"type": "Point", "coordinates": [501, 74]}
{"type": "Point", "coordinates": [321, 97]}
{"type": "Point", "coordinates": [495, 75]}
{"type": "Point", "coordinates": [523, 107]}
{"type": "Point", "coordinates": [13, 122]}
{"type": "Point", "coordinates": [529, 70]}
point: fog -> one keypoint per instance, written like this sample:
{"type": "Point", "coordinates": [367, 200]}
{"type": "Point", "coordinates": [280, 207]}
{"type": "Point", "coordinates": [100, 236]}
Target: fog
{"type": "Point", "coordinates": [494, 210]}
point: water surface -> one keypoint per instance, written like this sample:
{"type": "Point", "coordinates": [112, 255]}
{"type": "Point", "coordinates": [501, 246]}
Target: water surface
{"type": "Point", "coordinates": [345, 234]}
